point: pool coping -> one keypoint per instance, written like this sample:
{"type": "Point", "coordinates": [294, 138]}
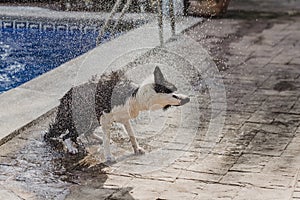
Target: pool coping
{"type": "Point", "coordinates": [38, 13]}
{"type": "Point", "coordinates": [23, 106]}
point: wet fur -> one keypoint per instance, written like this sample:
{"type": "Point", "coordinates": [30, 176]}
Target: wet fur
{"type": "Point", "coordinates": [112, 99]}
{"type": "Point", "coordinates": [90, 104]}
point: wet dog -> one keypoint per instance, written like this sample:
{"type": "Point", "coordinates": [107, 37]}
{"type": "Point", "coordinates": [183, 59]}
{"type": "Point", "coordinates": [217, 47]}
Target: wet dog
{"type": "Point", "coordinates": [113, 98]}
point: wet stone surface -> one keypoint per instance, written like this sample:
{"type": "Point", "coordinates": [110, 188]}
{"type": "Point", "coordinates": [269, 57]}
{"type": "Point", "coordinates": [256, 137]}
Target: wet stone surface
{"type": "Point", "coordinates": [29, 166]}
{"type": "Point", "coordinates": [33, 169]}
{"type": "Point", "coordinates": [255, 156]}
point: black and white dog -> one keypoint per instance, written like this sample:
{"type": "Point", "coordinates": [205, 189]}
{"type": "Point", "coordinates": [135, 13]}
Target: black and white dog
{"type": "Point", "coordinates": [113, 99]}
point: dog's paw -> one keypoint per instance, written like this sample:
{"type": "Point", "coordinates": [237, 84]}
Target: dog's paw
{"type": "Point", "coordinates": [70, 146]}
{"type": "Point", "coordinates": [110, 160]}
{"type": "Point", "coordinates": [139, 151]}
{"type": "Point", "coordinates": [73, 151]}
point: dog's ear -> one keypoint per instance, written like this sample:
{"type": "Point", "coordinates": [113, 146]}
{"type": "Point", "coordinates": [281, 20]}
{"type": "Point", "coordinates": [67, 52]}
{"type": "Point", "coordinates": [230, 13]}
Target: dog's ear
{"type": "Point", "coordinates": [158, 76]}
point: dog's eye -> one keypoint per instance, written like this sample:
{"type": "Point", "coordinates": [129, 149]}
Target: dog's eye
{"type": "Point", "coordinates": [162, 89]}
{"type": "Point", "coordinates": [174, 96]}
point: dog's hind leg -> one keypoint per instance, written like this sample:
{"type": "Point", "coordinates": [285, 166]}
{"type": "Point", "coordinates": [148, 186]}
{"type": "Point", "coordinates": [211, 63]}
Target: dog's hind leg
{"type": "Point", "coordinates": [137, 149]}
{"type": "Point", "coordinates": [70, 139]}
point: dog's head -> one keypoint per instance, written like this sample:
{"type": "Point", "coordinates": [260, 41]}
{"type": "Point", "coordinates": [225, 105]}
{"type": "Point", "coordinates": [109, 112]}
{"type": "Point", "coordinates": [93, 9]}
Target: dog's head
{"type": "Point", "coordinates": [161, 93]}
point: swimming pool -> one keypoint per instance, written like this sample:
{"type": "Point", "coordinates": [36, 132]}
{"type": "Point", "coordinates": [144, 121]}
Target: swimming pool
{"type": "Point", "coordinates": [29, 49]}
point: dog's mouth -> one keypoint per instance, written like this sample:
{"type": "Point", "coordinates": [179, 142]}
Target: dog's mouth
{"type": "Point", "coordinates": [166, 107]}
{"type": "Point", "coordinates": [183, 99]}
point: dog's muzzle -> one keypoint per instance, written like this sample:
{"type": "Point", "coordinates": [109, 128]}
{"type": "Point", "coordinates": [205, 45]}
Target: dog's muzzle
{"type": "Point", "coordinates": [183, 99]}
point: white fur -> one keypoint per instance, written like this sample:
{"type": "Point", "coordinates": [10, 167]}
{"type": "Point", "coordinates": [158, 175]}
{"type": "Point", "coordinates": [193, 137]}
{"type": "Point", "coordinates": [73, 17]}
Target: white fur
{"type": "Point", "coordinates": [71, 149]}
{"type": "Point", "coordinates": [145, 99]}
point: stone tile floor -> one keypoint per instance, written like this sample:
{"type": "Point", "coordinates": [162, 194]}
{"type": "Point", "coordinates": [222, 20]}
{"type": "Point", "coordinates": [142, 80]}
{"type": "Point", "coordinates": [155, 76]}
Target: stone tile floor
{"type": "Point", "coordinates": [257, 153]}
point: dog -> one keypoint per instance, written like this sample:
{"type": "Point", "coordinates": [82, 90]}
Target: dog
{"type": "Point", "coordinates": [113, 98]}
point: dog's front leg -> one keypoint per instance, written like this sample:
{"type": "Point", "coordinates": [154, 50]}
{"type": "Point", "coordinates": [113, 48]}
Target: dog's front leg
{"type": "Point", "coordinates": [135, 146]}
{"type": "Point", "coordinates": [105, 122]}
{"type": "Point", "coordinates": [106, 142]}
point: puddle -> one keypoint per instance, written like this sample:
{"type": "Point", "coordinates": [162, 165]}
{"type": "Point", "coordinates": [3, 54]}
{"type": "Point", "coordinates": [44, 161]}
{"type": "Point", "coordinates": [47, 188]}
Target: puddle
{"type": "Point", "coordinates": [32, 169]}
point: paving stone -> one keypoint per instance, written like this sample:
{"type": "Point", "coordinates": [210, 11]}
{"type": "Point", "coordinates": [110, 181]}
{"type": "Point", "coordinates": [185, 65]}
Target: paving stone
{"type": "Point", "coordinates": [170, 194]}
{"type": "Point", "coordinates": [278, 127]}
{"type": "Point", "coordinates": [90, 193]}
{"type": "Point", "coordinates": [278, 103]}
{"type": "Point", "coordinates": [235, 85]}
{"type": "Point", "coordinates": [260, 61]}
{"type": "Point", "coordinates": [266, 51]}
{"type": "Point", "coordinates": [228, 148]}
{"type": "Point", "coordinates": [262, 117]}
{"type": "Point", "coordinates": [176, 191]}
{"type": "Point", "coordinates": [257, 193]}
{"type": "Point", "coordinates": [236, 60]}
{"type": "Point", "coordinates": [192, 186]}
{"type": "Point", "coordinates": [147, 189]}
{"type": "Point", "coordinates": [289, 120]}
{"type": "Point", "coordinates": [250, 163]}
{"type": "Point", "coordinates": [236, 118]}
{"type": "Point", "coordinates": [282, 75]}
{"type": "Point", "coordinates": [215, 164]}
{"type": "Point", "coordinates": [282, 59]}
{"type": "Point", "coordinates": [120, 194]}
{"type": "Point", "coordinates": [198, 176]}
{"type": "Point", "coordinates": [169, 174]}
{"type": "Point", "coordinates": [246, 107]}
{"type": "Point", "coordinates": [244, 70]}
{"type": "Point", "coordinates": [253, 98]}
{"type": "Point", "coordinates": [295, 108]}
{"type": "Point", "coordinates": [272, 38]}
{"type": "Point", "coordinates": [266, 180]}
{"type": "Point", "coordinates": [8, 195]}
{"type": "Point", "coordinates": [14, 190]}
{"type": "Point", "coordinates": [235, 141]}
{"type": "Point", "coordinates": [265, 143]}
{"type": "Point", "coordinates": [286, 165]}
{"type": "Point", "coordinates": [295, 60]}
{"type": "Point", "coordinates": [116, 180]}
{"type": "Point", "coordinates": [279, 71]}
{"type": "Point", "coordinates": [181, 165]}
{"type": "Point", "coordinates": [218, 191]}
{"type": "Point", "coordinates": [296, 195]}
{"type": "Point", "coordinates": [208, 196]}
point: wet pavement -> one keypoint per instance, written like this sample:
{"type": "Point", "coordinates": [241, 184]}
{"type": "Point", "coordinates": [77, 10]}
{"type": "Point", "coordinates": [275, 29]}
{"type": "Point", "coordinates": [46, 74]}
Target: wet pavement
{"type": "Point", "coordinates": [241, 145]}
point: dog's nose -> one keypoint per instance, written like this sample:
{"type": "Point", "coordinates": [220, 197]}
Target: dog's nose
{"type": "Point", "coordinates": [185, 100]}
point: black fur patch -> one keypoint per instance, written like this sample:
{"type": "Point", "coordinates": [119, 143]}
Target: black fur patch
{"type": "Point", "coordinates": [82, 106]}
{"type": "Point", "coordinates": [135, 92]}
{"type": "Point", "coordinates": [164, 89]}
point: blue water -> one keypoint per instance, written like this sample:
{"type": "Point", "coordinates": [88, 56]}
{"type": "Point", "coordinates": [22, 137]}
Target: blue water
{"type": "Point", "coordinates": [28, 53]}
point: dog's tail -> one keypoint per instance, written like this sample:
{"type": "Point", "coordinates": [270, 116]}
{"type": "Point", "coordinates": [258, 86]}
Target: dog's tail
{"type": "Point", "coordinates": [54, 131]}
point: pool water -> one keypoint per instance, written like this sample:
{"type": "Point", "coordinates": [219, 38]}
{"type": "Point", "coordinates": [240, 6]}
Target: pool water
{"type": "Point", "coordinates": [27, 53]}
